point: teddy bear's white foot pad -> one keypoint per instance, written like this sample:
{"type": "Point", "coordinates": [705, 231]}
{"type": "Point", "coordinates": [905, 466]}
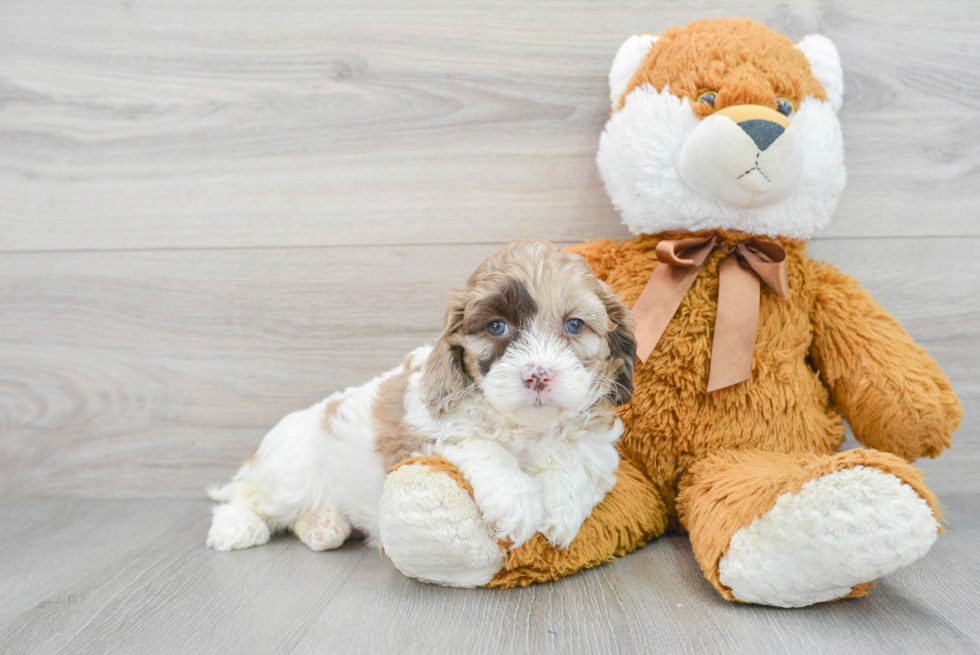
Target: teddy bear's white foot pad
{"type": "Point", "coordinates": [432, 530]}
{"type": "Point", "coordinates": [840, 530]}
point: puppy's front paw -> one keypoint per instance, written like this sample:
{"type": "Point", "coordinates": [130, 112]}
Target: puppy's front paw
{"type": "Point", "coordinates": [568, 501]}
{"type": "Point", "coordinates": [513, 509]}
{"type": "Point", "coordinates": [561, 524]}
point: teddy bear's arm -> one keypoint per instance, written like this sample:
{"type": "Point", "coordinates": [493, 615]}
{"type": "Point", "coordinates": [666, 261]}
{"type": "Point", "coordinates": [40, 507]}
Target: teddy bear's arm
{"type": "Point", "coordinates": [432, 529]}
{"type": "Point", "coordinates": [893, 394]}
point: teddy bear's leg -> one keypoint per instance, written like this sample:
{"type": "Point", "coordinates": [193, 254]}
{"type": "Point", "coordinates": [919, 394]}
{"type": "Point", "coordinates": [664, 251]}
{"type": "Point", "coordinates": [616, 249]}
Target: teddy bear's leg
{"type": "Point", "coordinates": [794, 530]}
{"type": "Point", "coordinates": [432, 530]}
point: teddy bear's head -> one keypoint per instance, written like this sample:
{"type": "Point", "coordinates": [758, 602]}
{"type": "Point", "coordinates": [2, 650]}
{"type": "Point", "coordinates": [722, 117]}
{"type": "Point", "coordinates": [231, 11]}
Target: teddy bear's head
{"type": "Point", "coordinates": [724, 124]}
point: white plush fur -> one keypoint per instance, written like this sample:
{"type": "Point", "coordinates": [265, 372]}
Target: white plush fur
{"type": "Point", "coordinates": [667, 171]}
{"type": "Point", "coordinates": [629, 57]}
{"type": "Point", "coordinates": [825, 65]}
{"type": "Point", "coordinates": [720, 160]}
{"type": "Point", "coordinates": [433, 531]}
{"type": "Point", "coordinates": [842, 529]}
{"type": "Point", "coordinates": [529, 472]}
{"type": "Point", "coordinates": [639, 160]}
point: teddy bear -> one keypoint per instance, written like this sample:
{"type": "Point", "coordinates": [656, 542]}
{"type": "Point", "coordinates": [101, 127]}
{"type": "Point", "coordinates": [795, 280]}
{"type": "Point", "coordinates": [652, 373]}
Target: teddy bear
{"type": "Point", "coordinates": [723, 154]}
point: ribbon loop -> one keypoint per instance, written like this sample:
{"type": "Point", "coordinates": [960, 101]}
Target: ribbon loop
{"type": "Point", "coordinates": [686, 253]}
{"type": "Point", "coordinates": [739, 292]}
{"type": "Point", "coordinates": [768, 261]}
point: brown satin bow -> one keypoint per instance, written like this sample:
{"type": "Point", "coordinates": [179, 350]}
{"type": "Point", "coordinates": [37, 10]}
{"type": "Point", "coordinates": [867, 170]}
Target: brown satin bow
{"type": "Point", "coordinates": [738, 299]}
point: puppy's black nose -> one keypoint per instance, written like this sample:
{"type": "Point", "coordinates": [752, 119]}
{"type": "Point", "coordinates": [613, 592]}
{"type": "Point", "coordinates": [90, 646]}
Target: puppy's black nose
{"type": "Point", "coordinates": [762, 132]}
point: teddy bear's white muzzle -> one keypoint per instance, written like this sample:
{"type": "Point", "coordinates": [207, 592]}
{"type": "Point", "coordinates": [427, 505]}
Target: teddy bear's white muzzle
{"type": "Point", "coordinates": [745, 156]}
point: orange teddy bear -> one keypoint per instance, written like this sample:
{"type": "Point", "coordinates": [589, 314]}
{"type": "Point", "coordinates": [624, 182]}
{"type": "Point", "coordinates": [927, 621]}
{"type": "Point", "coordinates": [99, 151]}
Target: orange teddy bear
{"type": "Point", "coordinates": [724, 154]}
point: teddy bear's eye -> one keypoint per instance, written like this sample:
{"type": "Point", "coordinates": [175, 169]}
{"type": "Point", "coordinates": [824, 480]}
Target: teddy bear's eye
{"type": "Point", "coordinates": [708, 98]}
{"type": "Point", "coordinates": [785, 107]}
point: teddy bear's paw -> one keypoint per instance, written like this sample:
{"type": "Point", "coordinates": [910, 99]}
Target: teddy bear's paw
{"type": "Point", "coordinates": [323, 528]}
{"type": "Point", "coordinates": [840, 530]}
{"type": "Point", "coordinates": [432, 529]}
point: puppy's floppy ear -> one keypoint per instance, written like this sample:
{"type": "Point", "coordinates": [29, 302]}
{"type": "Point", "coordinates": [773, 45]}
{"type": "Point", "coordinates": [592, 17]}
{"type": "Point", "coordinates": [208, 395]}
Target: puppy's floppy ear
{"type": "Point", "coordinates": [444, 379]}
{"type": "Point", "coordinates": [622, 345]}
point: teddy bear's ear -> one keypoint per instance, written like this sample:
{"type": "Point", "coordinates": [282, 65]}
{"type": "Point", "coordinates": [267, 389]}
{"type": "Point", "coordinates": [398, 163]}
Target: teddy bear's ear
{"type": "Point", "coordinates": [631, 54]}
{"type": "Point", "coordinates": [825, 64]}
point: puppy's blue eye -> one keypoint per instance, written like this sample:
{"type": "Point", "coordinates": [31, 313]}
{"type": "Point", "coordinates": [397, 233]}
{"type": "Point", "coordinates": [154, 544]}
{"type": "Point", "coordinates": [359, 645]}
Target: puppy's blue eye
{"type": "Point", "coordinates": [784, 106]}
{"type": "Point", "coordinates": [497, 328]}
{"type": "Point", "coordinates": [708, 98]}
{"type": "Point", "coordinates": [574, 326]}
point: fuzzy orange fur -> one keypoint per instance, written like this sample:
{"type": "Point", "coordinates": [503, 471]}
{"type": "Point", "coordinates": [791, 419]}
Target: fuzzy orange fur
{"type": "Point", "coordinates": [730, 489]}
{"type": "Point", "coordinates": [712, 463]}
{"type": "Point", "coordinates": [742, 62]}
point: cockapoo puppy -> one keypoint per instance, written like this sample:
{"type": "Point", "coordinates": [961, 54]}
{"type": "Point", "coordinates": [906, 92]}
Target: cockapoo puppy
{"type": "Point", "coordinates": [518, 392]}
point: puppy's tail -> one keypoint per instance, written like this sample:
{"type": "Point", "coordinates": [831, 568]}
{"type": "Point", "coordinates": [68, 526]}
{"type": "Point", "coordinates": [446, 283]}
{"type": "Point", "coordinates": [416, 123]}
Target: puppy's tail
{"type": "Point", "coordinates": [222, 494]}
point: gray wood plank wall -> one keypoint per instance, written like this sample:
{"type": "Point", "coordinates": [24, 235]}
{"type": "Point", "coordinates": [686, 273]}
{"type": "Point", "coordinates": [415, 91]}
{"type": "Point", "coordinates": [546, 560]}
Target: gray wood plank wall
{"type": "Point", "coordinates": [214, 213]}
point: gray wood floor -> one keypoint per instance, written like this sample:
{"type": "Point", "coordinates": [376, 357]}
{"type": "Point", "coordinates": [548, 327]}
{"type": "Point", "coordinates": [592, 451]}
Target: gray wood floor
{"type": "Point", "coordinates": [132, 576]}
{"type": "Point", "coordinates": [212, 214]}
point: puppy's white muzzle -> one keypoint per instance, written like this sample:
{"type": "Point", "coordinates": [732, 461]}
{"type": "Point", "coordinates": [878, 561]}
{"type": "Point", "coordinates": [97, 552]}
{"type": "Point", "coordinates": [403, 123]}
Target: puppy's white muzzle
{"type": "Point", "coordinates": [537, 380]}
{"type": "Point", "coordinates": [744, 156]}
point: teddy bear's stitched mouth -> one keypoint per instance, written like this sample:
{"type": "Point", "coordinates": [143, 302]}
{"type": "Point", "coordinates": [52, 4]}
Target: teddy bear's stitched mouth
{"type": "Point", "coordinates": [755, 168]}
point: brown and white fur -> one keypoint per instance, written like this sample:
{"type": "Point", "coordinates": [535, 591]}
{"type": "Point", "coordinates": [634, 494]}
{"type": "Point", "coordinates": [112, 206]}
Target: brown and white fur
{"type": "Point", "coordinates": [527, 415]}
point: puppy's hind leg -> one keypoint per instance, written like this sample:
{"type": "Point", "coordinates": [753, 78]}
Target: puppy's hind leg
{"type": "Point", "coordinates": [322, 528]}
{"type": "Point", "coordinates": [235, 525]}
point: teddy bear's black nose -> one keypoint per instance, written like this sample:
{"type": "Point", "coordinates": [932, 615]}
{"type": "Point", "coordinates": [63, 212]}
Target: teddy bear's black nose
{"type": "Point", "coordinates": [763, 132]}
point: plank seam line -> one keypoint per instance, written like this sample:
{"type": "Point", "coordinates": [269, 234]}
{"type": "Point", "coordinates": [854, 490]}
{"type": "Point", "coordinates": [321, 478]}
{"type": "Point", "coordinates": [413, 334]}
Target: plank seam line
{"type": "Point", "coordinates": [421, 244]}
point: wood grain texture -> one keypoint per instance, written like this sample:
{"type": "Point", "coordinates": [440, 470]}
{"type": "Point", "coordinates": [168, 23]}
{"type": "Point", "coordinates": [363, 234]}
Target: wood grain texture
{"type": "Point", "coordinates": [212, 214]}
{"type": "Point", "coordinates": [179, 124]}
{"type": "Point", "coordinates": [142, 581]}
{"type": "Point", "coordinates": [152, 374]}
